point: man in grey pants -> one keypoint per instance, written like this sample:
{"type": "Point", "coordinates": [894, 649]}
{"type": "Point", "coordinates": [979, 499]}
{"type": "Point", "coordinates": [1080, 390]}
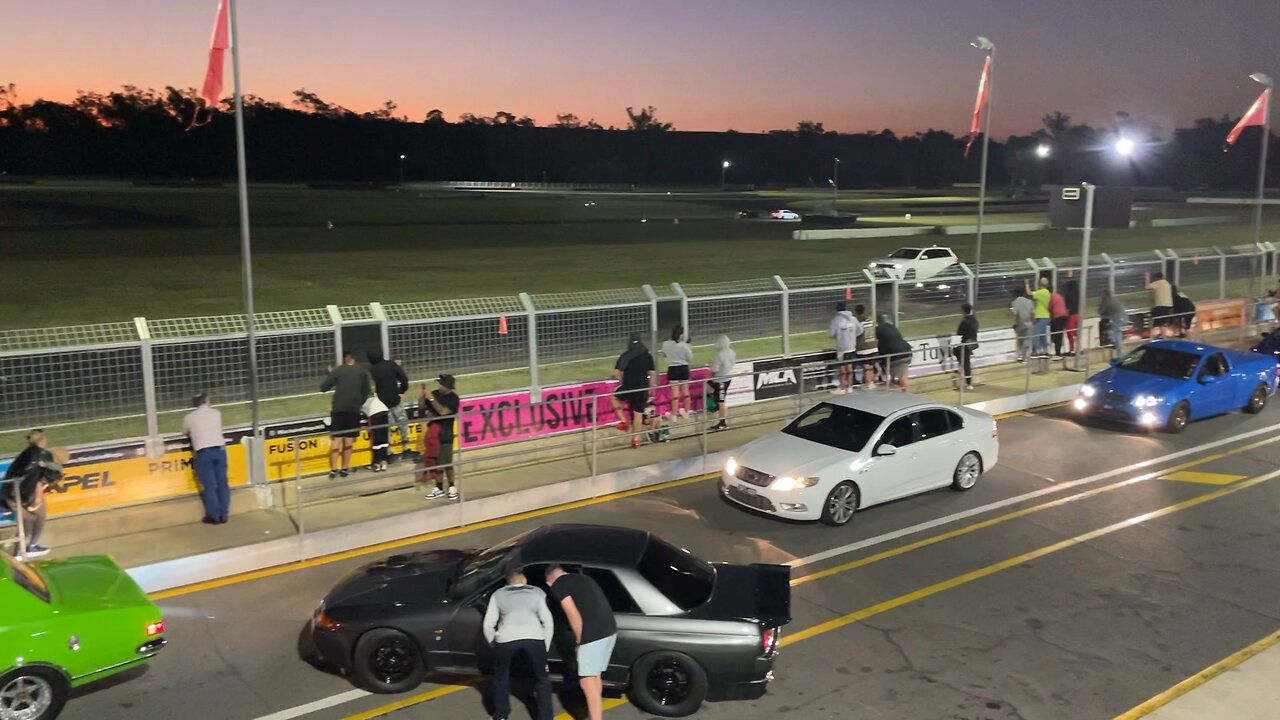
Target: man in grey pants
{"type": "Point", "coordinates": [518, 622]}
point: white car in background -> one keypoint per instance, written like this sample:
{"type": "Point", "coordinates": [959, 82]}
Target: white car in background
{"type": "Point", "coordinates": [854, 451]}
{"type": "Point", "coordinates": [784, 215]}
{"type": "Point", "coordinates": [913, 263]}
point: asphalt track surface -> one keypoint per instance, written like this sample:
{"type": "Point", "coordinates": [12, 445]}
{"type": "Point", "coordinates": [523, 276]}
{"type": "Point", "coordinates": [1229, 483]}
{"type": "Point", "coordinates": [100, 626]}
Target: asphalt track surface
{"type": "Point", "coordinates": [1106, 586]}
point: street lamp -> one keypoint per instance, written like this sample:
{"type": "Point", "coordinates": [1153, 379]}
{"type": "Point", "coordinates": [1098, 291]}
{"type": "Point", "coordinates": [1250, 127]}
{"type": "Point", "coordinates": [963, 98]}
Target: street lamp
{"type": "Point", "coordinates": [835, 179]}
{"type": "Point", "coordinates": [988, 47]}
{"type": "Point", "coordinates": [724, 169]}
{"type": "Point", "coordinates": [402, 168]}
{"type": "Point", "coordinates": [1125, 146]}
{"type": "Point", "coordinates": [1043, 151]}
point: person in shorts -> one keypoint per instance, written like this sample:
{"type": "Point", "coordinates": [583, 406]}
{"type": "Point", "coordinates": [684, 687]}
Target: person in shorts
{"type": "Point", "coordinates": [1163, 323]}
{"type": "Point", "coordinates": [636, 373]}
{"type": "Point", "coordinates": [351, 385]}
{"type": "Point", "coordinates": [594, 628]}
{"type": "Point", "coordinates": [895, 349]}
{"type": "Point", "coordinates": [679, 354]}
{"type": "Point", "coordinates": [721, 378]}
{"type": "Point", "coordinates": [846, 329]}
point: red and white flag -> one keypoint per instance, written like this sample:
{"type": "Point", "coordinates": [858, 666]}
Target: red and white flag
{"type": "Point", "coordinates": [979, 107]}
{"type": "Point", "coordinates": [211, 91]}
{"type": "Point", "coordinates": [1256, 115]}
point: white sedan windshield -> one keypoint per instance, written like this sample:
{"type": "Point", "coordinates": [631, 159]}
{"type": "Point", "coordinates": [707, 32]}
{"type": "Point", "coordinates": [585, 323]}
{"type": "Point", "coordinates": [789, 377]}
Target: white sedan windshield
{"type": "Point", "coordinates": [836, 426]}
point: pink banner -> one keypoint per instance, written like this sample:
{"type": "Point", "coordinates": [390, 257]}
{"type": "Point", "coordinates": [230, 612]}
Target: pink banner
{"type": "Point", "coordinates": [493, 419]}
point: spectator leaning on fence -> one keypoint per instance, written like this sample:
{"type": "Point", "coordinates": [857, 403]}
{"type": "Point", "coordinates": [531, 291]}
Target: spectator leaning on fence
{"type": "Point", "coordinates": [444, 403]}
{"type": "Point", "coordinates": [635, 372]}
{"type": "Point", "coordinates": [1040, 300]}
{"type": "Point", "coordinates": [679, 356]}
{"type": "Point", "coordinates": [1184, 311]}
{"type": "Point", "coordinates": [390, 384]}
{"type": "Point", "coordinates": [1023, 314]}
{"type": "Point", "coordinates": [203, 426]}
{"type": "Point", "coordinates": [25, 482]}
{"type": "Point", "coordinates": [1162, 320]}
{"type": "Point", "coordinates": [379, 432]}
{"type": "Point", "coordinates": [1057, 321]}
{"type": "Point", "coordinates": [896, 351]}
{"type": "Point", "coordinates": [721, 376]}
{"type": "Point", "coordinates": [1071, 296]}
{"type": "Point", "coordinates": [846, 329]}
{"type": "Point", "coordinates": [351, 386]}
{"type": "Point", "coordinates": [1112, 311]}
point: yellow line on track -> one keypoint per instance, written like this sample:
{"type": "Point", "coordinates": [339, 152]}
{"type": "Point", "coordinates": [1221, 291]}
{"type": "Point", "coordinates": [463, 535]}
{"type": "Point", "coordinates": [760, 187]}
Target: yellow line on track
{"type": "Point", "coordinates": [1200, 678]}
{"type": "Point", "coordinates": [966, 578]}
{"type": "Point", "coordinates": [426, 537]}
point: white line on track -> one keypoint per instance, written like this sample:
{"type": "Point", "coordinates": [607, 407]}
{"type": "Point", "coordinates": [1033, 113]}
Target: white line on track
{"type": "Point", "coordinates": [317, 706]}
{"type": "Point", "coordinates": [342, 698]}
{"type": "Point", "coordinates": [929, 525]}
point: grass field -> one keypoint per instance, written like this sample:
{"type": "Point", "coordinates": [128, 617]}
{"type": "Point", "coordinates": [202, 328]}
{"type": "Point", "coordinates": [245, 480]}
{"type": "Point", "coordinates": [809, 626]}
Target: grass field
{"type": "Point", "coordinates": [92, 253]}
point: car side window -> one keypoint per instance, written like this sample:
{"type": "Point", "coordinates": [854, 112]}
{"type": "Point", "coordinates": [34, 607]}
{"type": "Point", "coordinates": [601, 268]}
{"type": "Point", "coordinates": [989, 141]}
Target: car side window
{"type": "Point", "coordinates": [933, 423]}
{"type": "Point", "coordinates": [619, 599]}
{"type": "Point", "coordinates": [1214, 365]}
{"type": "Point", "coordinates": [900, 433]}
{"type": "Point", "coordinates": [937, 254]}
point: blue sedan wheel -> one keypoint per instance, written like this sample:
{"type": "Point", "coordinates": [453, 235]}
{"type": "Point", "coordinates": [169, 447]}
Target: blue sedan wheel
{"type": "Point", "coordinates": [1257, 400]}
{"type": "Point", "coordinates": [1178, 418]}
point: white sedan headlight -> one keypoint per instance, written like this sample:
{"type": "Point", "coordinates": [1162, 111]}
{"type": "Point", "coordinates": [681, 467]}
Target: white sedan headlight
{"type": "Point", "coordinates": [731, 467]}
{"type": "Point", "coordinates": [1146, 401]}
{"type": "Point", "coordinates": [787, 483]}
{"type": "Point", "coordinates": [1088, 390]}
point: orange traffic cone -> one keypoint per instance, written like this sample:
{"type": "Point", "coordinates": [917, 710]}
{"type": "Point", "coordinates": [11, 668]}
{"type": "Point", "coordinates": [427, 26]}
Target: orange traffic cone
{"type": "Point", "coordinates": [502, 324]}
{"type": "Point", "coordinates": [848, 293]}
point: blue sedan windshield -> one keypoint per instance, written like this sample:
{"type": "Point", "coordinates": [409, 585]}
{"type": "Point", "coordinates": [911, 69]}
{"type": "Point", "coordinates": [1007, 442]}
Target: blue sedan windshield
{"type": "Point", "coordinates": [1159, 361]}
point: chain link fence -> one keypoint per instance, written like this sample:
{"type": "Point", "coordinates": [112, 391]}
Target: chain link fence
{"type": "Point", "coordinates": [139, 369]}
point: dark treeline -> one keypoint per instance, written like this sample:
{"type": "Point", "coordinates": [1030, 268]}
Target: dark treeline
{"type": "Point", "coordinates": [136, 133]}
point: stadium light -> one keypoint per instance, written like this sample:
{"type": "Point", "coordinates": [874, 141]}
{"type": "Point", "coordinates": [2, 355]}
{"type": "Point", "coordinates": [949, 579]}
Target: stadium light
{"type": "Point", "coordinates": [982, 43]}
{"type": "Point", "coordinates": [1261, 78]}
{"type": "Point", "coordinates": [724, 169]}
{"type": "Point", "coordinates": [402, 156]}
{"type": "Point", "coordinates": [1125, 146]}
{"type": "Point", "coordinates": [1043, 151]}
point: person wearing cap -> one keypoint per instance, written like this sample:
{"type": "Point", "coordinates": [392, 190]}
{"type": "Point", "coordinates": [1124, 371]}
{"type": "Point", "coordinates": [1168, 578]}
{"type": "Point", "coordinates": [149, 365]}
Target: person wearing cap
{"type": "Point", "coordinates": [444, 403]}
{"type": "Point", "coordinates": [203, 427]}
{"type": "Point", "coordinates": [636, 374]}
{"type": "Point", "coordinates": [26, 480]}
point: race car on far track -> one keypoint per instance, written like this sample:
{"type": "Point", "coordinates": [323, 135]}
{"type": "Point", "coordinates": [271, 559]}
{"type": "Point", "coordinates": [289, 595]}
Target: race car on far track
{"type": "Point", "coordinates": [784, 215]}
{"type": "Point", "coordinates": [1169, 383]}
{"type": "Point", "coordinates": [914, 263]}
{"type": "Point", "coordinates": [688, 630]}
{"type": "Point", "coordinates": [65, 623]}
{"type": "Point", "coordinates": [858, 450]}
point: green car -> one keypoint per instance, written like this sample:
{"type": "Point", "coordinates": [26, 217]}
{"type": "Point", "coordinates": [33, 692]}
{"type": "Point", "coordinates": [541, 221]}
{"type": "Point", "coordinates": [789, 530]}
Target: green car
{"type": "Point", "coordinates": [64, 623]}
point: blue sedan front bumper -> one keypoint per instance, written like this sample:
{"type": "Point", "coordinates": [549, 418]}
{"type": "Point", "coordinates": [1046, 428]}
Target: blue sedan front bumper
{"type": "Point", "coordinates": [1123, 412]}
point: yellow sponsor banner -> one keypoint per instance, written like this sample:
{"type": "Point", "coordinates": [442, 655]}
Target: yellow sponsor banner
{"type": "Point", "coordinates": [102, 477]}
{"type": "Point", "coordinates": [307, 443]}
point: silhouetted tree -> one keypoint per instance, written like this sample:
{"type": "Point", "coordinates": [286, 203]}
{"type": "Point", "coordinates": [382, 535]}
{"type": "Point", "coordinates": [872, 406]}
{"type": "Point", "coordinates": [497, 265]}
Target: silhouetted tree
{"type": "Point", "coordinates": [646, 119]}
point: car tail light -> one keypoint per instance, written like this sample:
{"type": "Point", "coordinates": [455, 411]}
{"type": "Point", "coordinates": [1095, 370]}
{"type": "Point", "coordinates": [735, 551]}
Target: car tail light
{"type": "Point", "coordinates": [155, 628]}
{"type": "Point", "coordinates": [326, 622]}
{"type": "Point", "coordinates": [769, 641]}
{"type": "Point", "coordinates": [995, 429]}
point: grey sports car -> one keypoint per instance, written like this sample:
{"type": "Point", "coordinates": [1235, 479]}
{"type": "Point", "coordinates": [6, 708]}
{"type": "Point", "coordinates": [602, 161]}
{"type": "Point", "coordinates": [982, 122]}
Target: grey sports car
{"type": "Point", "coordinates": [688, 630]}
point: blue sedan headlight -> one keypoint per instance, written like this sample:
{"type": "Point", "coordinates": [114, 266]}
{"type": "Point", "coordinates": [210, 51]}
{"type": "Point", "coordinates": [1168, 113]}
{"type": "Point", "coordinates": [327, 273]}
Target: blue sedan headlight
{"type": "Point", "coordinates": [1088, 390]}
{"type": "Point", "coordinates": [1147, 401]}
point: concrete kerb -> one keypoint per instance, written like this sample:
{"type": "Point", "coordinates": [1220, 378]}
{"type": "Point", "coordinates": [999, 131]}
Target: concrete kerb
{"type": "Point", "coordinates": [285, 551]}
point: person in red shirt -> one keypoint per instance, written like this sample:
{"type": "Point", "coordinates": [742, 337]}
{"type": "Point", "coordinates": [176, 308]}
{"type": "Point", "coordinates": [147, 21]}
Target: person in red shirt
{"type": "Point", "coordinates": [1058, 315]}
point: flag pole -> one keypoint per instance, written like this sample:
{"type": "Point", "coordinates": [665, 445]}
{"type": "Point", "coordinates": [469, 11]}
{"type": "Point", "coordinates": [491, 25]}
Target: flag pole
{"type": "Point", "coordinates": [246, 252]}
{"type": "Point", "coordinates": [1262, 162]}
{"type": "Point", "coordinates": [983, 44]}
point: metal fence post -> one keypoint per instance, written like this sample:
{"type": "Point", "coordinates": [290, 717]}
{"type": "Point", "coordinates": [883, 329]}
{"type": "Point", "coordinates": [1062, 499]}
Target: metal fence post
{"type": "Point", "coordinates": [154, 446]}
{"type": "Point", "coordinates": [895, 301]}
{"type": "Point", "coordinates": [684, 307]}
{"type": "Point", "coordinates": [1052, 267]}
{"type": "Point", "coordinates": [535, 389]}
{"type": "Point", "coordinates": [653, 315]}
{"type": "Point", "coordinates": [335, 316]}
{"type": "Point", "coordinates": [971, 285]}
{"type": "Point", "coordinates": [380, 315]}
{"type": "Point", "coordinates": [1111, 272]}
{"type": "Point", "coordinates": [871, 281]}
{"type": "Point", "coordinates": [1222, 272]}
{"type": "Point", "coordinates": [297, 492]}
{"type": "Point", "coordinates": [786, 316]}
{"type": "Point", "coordinates": [1177, 265]}
{"type": "Point", "coordinates": [595, 435]}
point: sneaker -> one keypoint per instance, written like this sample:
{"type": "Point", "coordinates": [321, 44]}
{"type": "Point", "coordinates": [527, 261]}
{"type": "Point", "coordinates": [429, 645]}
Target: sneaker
{"type": "Point", "coordinates": [344, 472]}
{"type": "Point", "coordinates": [453, 493]}
{"type": "Point", "coordinates": [623, 425]}
{"type": "Point", "coordinates": [333, 474]}
{"type": "Point", "coordinates": [209, 520]}
{"type": "Point", "coordinates": [722, 425]}
{"type": "Point", "coordinates": [1056, 356]}
{"type": "Point", "coordinates": [373, 467]}
{"type": "Point", "coordinates": [1022, 359]}
{"type": "Point", "coordinates": [435, 494]}
{"type": "Point", "coordinates": [682, 413]}
{"type": "Point", "coordinates": [34, 550]}
{"type": "Point", "coordinates": [667, 416]}
{"type": "Point", "coordinates": [968, 387]}
{"type": "Point", "coordinates": [635, 442]}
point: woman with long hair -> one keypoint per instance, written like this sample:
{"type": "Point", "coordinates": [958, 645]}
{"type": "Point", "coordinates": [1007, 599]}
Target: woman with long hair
{"type": "Point", "coordinates": [678, 354]}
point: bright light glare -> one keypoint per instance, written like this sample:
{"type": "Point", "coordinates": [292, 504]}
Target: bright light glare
{"type": "Point", "coordinates": [725, 164]}
{"type": "Point", "coordinates": [1043, 151]}
{"type": "Point", "coordinates": [1125, 146]}
{"type": "Point", "coordinates": [1081, 403]}
{"type": "Point", "coordinates": [731, 467]}
{"type": "Point", "coordinates": [1149, 418]}
{"type": "Point", "coordinates": [1088, 390]}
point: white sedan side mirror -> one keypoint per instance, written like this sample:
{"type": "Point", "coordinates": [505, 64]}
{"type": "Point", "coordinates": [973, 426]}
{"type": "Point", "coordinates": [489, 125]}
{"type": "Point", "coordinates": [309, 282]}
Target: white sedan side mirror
{"type": "Point", "coordinates": [886, 450]}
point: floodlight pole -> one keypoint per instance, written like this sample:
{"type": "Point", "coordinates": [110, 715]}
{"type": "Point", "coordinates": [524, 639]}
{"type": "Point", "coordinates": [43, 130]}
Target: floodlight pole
{"type": "Point", "coordinates": [1083, 301]}
{"type": "Point", "coordinates": [982, 176]}
{"type": "Point", "coordinates": [246, 251]}
{"type": "Point", "coordinates": [835, 180]}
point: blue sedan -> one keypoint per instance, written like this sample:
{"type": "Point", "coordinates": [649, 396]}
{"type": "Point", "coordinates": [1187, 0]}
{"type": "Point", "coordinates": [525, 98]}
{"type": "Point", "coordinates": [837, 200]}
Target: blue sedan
{"type": "Point", "coordinates": [1169, 383]}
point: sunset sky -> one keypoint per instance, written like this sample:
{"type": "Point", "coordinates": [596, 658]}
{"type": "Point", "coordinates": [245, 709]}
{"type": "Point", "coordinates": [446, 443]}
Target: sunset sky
{"type": "Point", "coordinates": [750, 65]}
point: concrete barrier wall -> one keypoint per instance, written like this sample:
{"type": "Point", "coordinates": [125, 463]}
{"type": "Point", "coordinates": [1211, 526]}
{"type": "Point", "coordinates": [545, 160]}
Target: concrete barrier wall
{"type": "Point", "coordinates": [1230, 201]}
{"type": "Point", "coordinates": [996, 228]}
{"type": "Point", "coordinates": [854, 233]}
{"type": "Point", "coordinates": [1205, 220]}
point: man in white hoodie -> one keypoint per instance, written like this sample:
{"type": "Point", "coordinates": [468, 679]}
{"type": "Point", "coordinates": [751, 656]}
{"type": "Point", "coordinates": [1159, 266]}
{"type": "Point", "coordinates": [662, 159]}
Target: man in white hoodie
{"type": "Point", "coordinates": [845, 328]}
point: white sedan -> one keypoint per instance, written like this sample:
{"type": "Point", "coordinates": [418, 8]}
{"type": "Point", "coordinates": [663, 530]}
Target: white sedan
{"type": "Point", "coordinates": [784, 215]}
{"type": "Point", "coordinates": [858, 450]}
{"type": "Point", "coordinates": [914, 263]}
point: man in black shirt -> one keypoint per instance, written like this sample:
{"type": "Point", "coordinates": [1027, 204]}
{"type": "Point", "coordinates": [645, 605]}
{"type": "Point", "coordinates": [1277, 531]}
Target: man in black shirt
{"type": "Point", "coordinates": [591, 618]}
{"type": "Point", "coordinates": [968, 332]}
{"type": "Point", "coordinates": [389, 384]}
{"type": "Point", "coordinates": [444, 402]}
{"type": "Point", "coordinates": [635, 372]}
